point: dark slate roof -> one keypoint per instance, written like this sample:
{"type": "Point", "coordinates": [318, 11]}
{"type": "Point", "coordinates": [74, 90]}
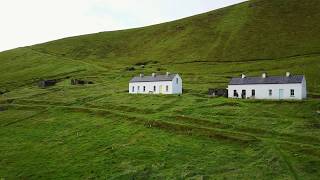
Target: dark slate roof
{"type": "Point", "coordinates": [268, 80]}
{"type": "Point", "coordinates": [157, 78]}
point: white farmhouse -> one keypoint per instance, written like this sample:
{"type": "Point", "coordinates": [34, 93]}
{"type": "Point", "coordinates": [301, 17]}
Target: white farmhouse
{"type": "Point", "coordinates": [156, 84]}
{"type": "Point", "coordinates": [269, 87]}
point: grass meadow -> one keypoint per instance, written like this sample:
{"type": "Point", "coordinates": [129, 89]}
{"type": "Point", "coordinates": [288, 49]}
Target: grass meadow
{"type": "Point", "coordinates": [99, 131]}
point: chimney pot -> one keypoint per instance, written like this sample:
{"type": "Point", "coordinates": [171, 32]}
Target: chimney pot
{"type": "Point", "coordinates": [264, 75]}
{"type": "Point", "coordinates": [168, 73]}
{"type": "Point", "coordinates": [153, 74]}
{"type": "Point", "coordinates": [141, 75]}
{"type": "Point", "coordinates": [243, 76]}
{"type": "Point", "coordinates": [288, 74]}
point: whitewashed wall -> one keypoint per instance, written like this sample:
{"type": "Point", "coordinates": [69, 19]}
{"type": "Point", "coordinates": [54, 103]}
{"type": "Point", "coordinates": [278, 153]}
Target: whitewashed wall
{"type": "Point", "coordinates": [177, 87]}
{"type": "Point", "coordinates": [304, 88]}
{"type": "Point", "coordinates": [173, 87]}
{"type": "Point", "coordinates": [262, 91]}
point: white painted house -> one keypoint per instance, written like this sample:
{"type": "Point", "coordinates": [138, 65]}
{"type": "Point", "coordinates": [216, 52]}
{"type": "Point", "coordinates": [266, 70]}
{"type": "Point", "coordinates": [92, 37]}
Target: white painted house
{"type": "Point", "coordinates": [288, 87]}
{"type": "Point", "coordinates": [156, 84]}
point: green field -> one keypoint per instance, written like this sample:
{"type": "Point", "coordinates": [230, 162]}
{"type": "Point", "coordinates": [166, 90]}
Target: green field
{"type": "Point", "coordinates": [99, 131]}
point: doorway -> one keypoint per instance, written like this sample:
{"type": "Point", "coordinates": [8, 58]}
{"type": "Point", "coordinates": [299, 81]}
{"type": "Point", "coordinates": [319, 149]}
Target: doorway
{"type": "Point", "coordinates": [244, 94]}
{"type": "Point", "coordinates": [160, 89]}
{"type": "Point", "coordinates": [281, 93]}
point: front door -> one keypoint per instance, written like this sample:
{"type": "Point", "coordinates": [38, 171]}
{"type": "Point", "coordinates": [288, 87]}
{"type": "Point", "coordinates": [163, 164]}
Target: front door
{"type": "Point", "coordinates": [281, 93]}
{"type": "Point", "coordinates": [160, 89]}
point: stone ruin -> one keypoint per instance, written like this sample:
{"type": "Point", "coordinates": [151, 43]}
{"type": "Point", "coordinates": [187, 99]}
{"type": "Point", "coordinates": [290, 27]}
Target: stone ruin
{"type": "Point", "coordinates": [215, 92]}
{"type": "Point", "coordinates": [80, 82]}
{"type": "Point", "coordinates": [47, 83]}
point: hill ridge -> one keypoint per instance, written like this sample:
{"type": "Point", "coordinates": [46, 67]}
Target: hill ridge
{"type": "Point", "coordinates": [258, 32]}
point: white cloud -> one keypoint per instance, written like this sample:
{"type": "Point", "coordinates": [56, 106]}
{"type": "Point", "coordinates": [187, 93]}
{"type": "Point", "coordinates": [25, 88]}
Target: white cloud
{"type": "Point", "coordinates": [27, 22]}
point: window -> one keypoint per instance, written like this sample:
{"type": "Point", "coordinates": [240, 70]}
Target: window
{"type": "Point", "coordinates": [292, 92]}
{"type": "Point", "coordinates": [244, 94]}
{"type": "Point", "coordinates": [138, 88]}
{"type": "Point", "coordinates": [132, 88]}
{"type": "Point", "coordinates": [177, 81]}
{"type": "Point", "coordinates": [270, 92]}
{"type": "Point", "coordinates": [144, 89]}
{"type": "Point", "coordinates": [167, 88]}
{"type": "Point", "coordinates": [253, 92]}
{"type": "Point", "coordinates": [154, 88]}
{"type": "Point", "coordinates": [235, 94]}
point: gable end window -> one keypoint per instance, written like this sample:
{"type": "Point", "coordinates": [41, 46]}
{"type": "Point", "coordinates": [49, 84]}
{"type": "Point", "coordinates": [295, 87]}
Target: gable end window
{"type": "Point", "coordinates": [270, 92]}
{"type": "Point", "coordinates": [292, 92]}
{"type": "Point", "coordinates": [177, 81]}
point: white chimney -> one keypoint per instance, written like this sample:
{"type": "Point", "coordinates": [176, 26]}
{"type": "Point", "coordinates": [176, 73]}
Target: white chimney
{"type": "Point", "coordinates": [288, 74]}
{"type": "Point", "coordinates": [153, 74]}
{"type": "Point", "coordinates": [243, 76]}
{"type": "Point", "coordinates": [141, 75]}
{"type": "Point", "coordinates": [168, 73]}
{"type": "Point", "coordinates": [264, 75]}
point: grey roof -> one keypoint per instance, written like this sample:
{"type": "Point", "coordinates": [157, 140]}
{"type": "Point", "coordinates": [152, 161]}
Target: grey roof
{"type": "Point", "coordinates": [157, 78]}
{"type": "Point", "coordinates": [268, 80]}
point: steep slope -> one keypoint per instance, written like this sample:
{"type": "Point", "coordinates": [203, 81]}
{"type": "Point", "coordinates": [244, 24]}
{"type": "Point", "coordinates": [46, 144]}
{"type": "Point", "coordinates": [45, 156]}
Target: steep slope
{"type": "Point", "coordinates": [250, 31]}
{"type": "Point", "coordinates": [260, 35]}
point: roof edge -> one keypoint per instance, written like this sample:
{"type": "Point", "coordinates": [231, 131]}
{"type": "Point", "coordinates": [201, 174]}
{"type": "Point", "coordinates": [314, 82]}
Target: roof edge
{"type": "Point", "coordinates": [262, 84]}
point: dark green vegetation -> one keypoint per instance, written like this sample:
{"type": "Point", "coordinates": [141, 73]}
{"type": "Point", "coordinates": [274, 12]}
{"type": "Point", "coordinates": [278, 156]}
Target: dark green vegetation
{"type": "Point", "coordinates": [99, 131]}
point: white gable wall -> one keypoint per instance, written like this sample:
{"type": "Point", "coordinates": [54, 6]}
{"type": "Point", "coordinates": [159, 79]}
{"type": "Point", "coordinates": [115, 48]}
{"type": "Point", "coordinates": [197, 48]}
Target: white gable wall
{"type": "Point", "coordinates": [177, 87]}
{"type": "Point", "coordinates": [262, 91]}
{"type": "Point", "coordinates": [304, 88]}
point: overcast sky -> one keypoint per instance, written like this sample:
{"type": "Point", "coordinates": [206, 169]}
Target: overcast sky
{"type": "Point", "coordinates": [27, 22]}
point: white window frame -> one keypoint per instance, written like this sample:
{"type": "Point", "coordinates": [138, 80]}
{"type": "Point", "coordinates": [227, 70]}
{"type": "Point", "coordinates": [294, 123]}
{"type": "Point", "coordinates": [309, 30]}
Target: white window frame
{"type": "Point", "coordinates": [292, 93]}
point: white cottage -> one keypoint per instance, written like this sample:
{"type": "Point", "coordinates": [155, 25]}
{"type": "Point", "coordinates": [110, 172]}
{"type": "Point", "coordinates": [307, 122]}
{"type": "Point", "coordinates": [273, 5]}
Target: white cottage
{"type": "Point", "coordinates": [156, 84]}
{"type": "Point", "coordinates": [269, 87]}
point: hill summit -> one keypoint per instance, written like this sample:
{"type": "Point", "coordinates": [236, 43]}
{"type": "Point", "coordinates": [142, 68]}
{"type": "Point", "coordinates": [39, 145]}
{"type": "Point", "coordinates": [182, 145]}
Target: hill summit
{"type": "Point", "coordinates": [251, 37]}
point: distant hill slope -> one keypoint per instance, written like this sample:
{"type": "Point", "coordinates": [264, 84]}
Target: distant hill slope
{"type": "Point", "coordinates": [251, 37]}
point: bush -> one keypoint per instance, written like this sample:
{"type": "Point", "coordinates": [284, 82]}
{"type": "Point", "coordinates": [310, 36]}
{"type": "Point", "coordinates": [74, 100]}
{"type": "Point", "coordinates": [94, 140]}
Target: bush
{"type": "Point", "coordinates": [130, 69]}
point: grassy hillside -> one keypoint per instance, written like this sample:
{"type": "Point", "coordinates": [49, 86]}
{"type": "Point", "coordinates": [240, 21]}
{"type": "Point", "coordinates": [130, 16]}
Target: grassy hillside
{"type": "Point", "coordinates": [252, 37]}
{"type": "Point", "coordinates": [99, 131]}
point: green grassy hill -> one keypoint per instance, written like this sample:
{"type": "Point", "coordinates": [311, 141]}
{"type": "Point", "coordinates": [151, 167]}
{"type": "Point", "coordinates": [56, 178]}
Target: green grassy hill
{"type": "Point", "coordinates": [99, 131]}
